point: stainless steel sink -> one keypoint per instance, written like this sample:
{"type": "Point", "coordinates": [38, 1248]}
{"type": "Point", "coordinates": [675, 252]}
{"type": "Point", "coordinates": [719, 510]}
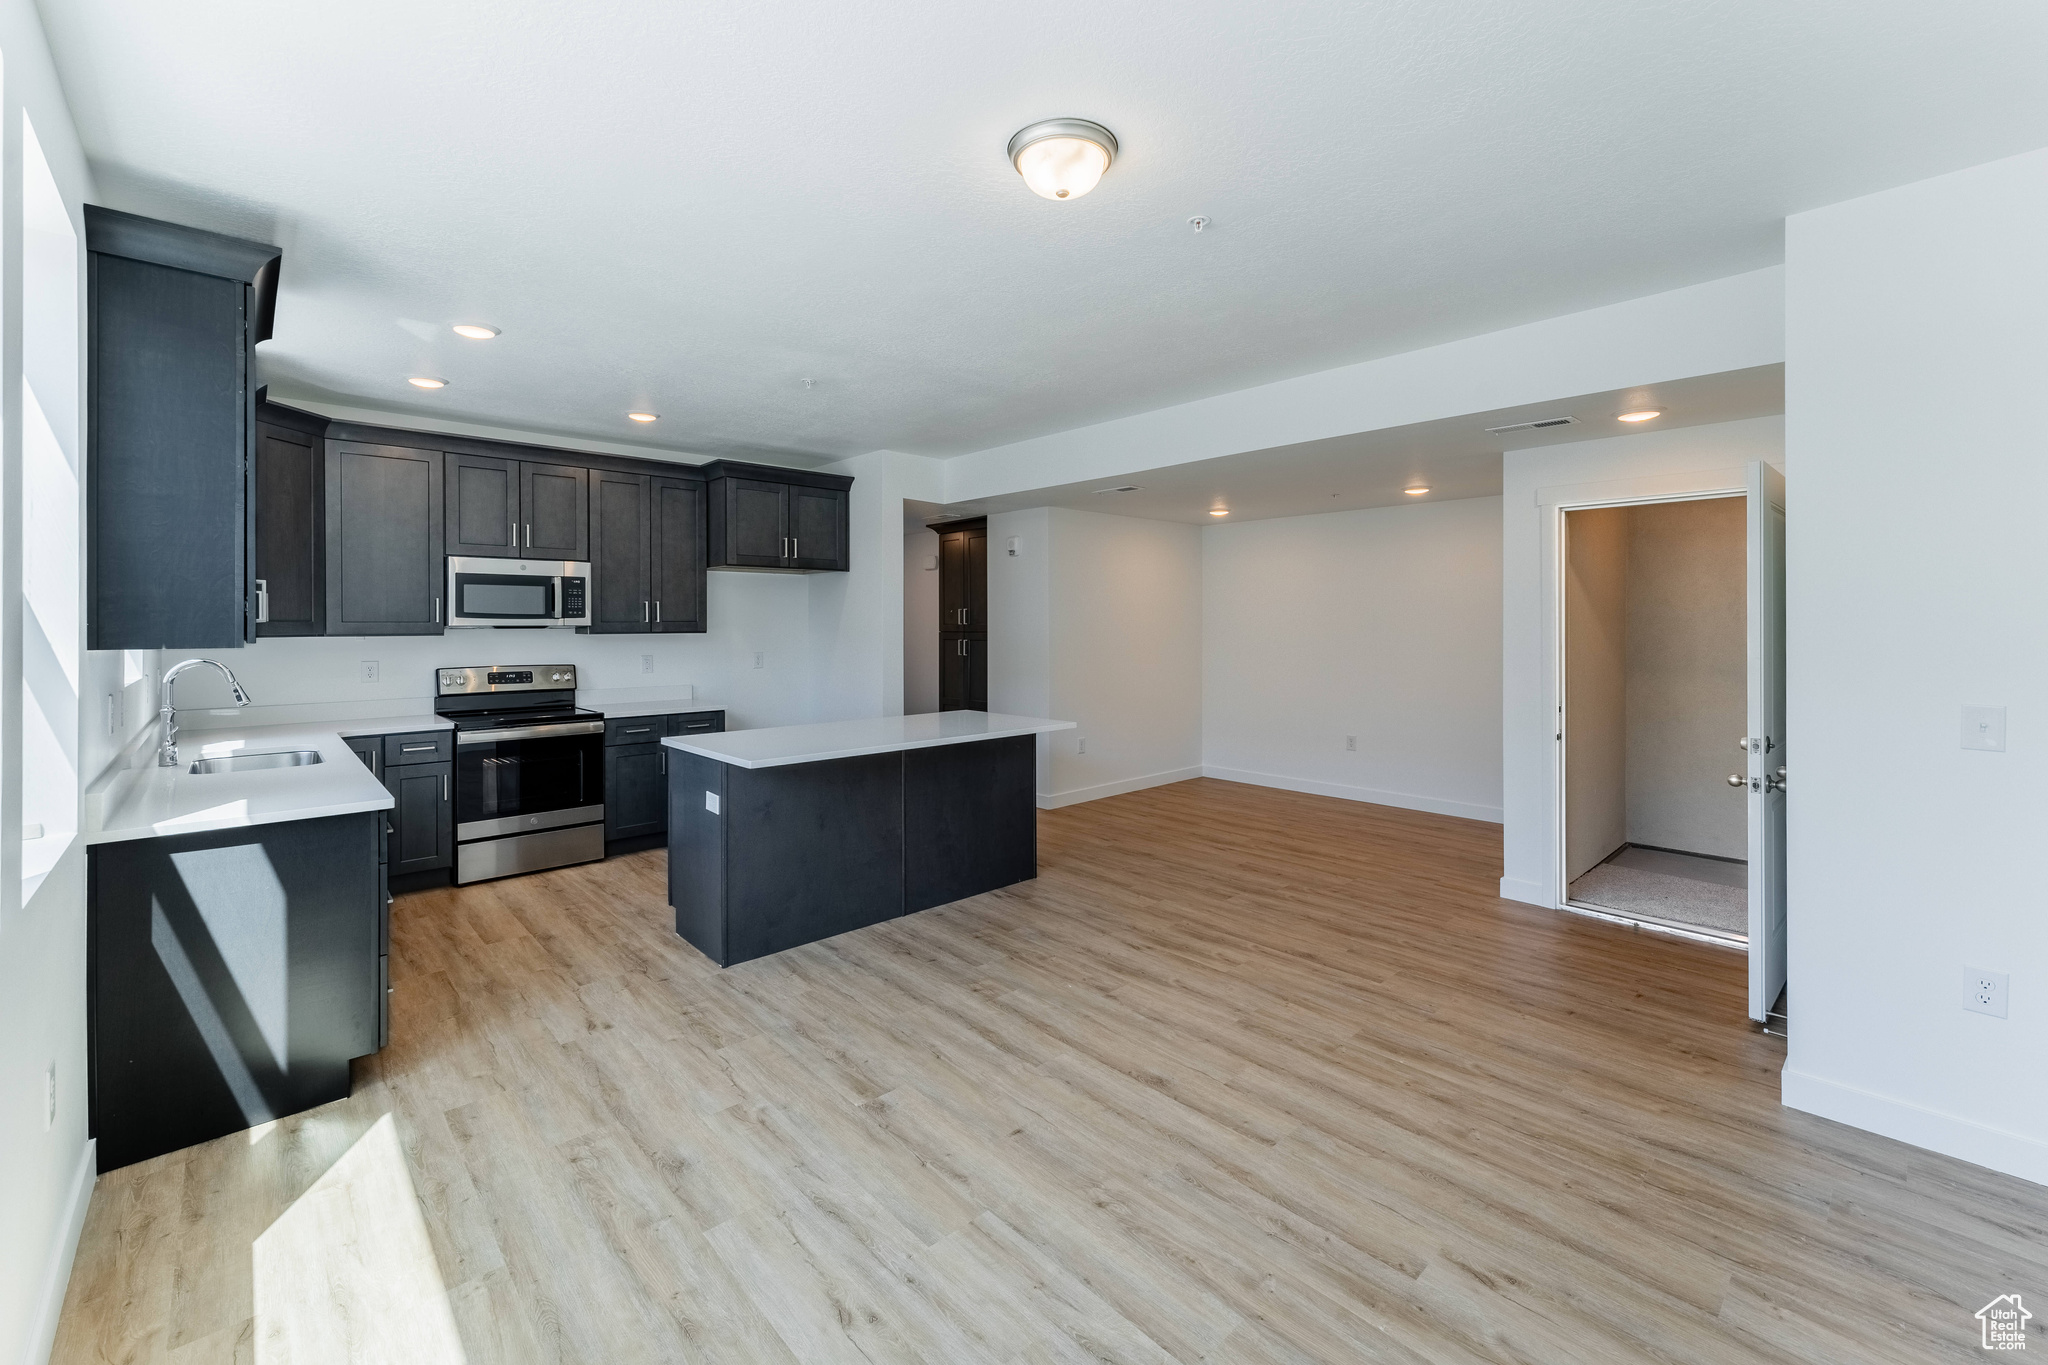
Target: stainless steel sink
{"type": "Point", "coordinates": [243, 763]}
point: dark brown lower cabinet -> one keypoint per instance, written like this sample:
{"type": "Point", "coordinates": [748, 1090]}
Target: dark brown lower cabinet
{"type": "Point", "coordinates": [635, 790]}
{"type": "Point", "coordinates": [231, 978]}
{"type": "Point", "coordinates": [423, 821]}
{"type": "Point", "coordinates": [963, 673]}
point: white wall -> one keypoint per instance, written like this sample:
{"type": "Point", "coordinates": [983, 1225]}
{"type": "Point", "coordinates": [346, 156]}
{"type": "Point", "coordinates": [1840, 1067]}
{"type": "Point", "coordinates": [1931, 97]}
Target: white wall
{"type": "Point", "coordinates": [1383, 624]}
{"type": "Point", "coordinates": [1534, 484]}
{"type": "Point", "coordinates": [1596, 685]}
{"type": "Point", "coordinates": [856, 618]}
{"type": "Point", "coordinates": [920, 622]}
{"type": "Point", "coordinates": [750, 613]}
{"type": "Point", "coordinates": [1918, 585]}
{"type": "Point", "coordinates": [45, 1166]}
{"type": "Point", "coordinates": [1097, 620]}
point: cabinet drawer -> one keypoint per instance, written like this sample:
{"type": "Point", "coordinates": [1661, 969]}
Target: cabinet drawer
{"type": "Point", "coordinates": [428, 746]}
{"type": "Point", "coordinates": [634, 729]}
{"type": "Point", "coordinates": [696, 723]}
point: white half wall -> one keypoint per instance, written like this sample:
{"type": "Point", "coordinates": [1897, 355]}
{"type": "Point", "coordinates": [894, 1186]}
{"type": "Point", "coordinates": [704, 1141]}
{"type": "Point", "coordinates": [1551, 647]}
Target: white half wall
{"type": "Point", "coordinates": [920, 622]}
{"type": "Point", "coordinates": [1729, 324]}
{"type": "Point", "coordinates": [1098, 620]}
{"type": "Point", "coordinates": [1382, 624]}
{"type": "Point", "coordinates": [1916, 587]}
{"type": "Point", "coordinates": [1535, 483]}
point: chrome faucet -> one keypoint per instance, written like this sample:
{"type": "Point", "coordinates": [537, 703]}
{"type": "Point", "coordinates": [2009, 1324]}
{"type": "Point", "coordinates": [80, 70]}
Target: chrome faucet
{"type": "Point", "coordinates": [167, 750]}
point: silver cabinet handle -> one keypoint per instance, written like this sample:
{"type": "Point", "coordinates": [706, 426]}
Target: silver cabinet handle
{"type": "Point", "coordinates": [444, 789]}
{"type": "Point", "coordinates": [657, 611]}
{"type": "Point", "coordinates": [529, 535]}
{"type": "Point", "coordinates": [664, 763]}
{"type": "Point", "coordinates": [795, 548]}
{"type": "Point", "coordinates": [262, 601]}
{"type": "Point", "coordinates": [437, 611]}
{"type": "Point", "coordinates": [643, 613]}
{"type": "Point", "coordinates": [637, 729]}
{"type": "Point", "coordinates": [417, 748]}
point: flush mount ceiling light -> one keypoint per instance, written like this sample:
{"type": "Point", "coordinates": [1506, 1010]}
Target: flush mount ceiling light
{"type": "Point", "coordinates": [1219, 511]}
{"type": "Point", "coordinates": [1416, 492]}
{"type": "Point", "coordinates": [475, 331]}
{"type": "Point", "coordinates": [1062, 158]}
{"type": "Point", "coordinates": [1645, 415]}
{"type": "Point", "coordinates": [421, 381]}
{"type": "Point", "coordinates": [644, 416]}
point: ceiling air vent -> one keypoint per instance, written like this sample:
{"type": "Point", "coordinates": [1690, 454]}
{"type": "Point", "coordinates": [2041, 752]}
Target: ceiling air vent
{"type": "Point", "coordinates": [1120, 488]}
{"type": "Point", "coordinates": [1543, 424]}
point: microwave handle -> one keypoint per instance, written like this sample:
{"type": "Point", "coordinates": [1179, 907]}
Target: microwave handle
{"type": "Point", "coordinates": [557, 581]}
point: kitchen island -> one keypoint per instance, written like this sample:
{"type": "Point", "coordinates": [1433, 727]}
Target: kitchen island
{"type": "Point", "coordinates": [784, 836]}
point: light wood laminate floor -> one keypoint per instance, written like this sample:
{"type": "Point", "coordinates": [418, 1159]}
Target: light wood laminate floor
{"type": "Point", "coordinates": [1244, 1076]}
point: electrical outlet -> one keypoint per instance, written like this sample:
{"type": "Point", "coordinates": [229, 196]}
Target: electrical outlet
{"type": "Point", "coordinates": [760, 659]}
{"type": "Point", "coordinates": [1351, 744]}
{"type": "Point", "coordinates": [50, 1097]}
{"type": "Point", "coordinates": [646, 663]}
{"type": "Point", "coordinates": [1080, 744]}
{"type": "Point", "coordinates": [1984, 991]}
{"type": "Point", "coordinates": [368, 669]}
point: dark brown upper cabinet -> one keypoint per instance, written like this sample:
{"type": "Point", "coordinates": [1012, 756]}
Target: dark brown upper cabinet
{"type": "Point", "coordinates": [647, 553]}
{"type": "Point", "coordinates": [384, 562]}
{"type": "Point", "coordinates": [173, 315]}
{"type": "Point", "coordinates": [513, 509]}
{"type": "Point", "coordinates": [679, 556]}
{"type": "Point", "coordinates": [290, 502]}
{"type": "Point", "coordinates": [777, 520]}
{"type": "Point", "coordinates": [620, 554]}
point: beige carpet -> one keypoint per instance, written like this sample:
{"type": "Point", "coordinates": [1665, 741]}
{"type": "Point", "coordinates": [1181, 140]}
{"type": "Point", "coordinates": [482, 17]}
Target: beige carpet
{"type": "Point", "coordinates": [1632, 891]}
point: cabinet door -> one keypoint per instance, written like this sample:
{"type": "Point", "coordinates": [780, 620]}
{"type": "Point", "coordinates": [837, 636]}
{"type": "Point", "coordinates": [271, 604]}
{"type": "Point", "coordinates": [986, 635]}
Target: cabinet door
{"type": "Point", "coordinates": [974, 592]}
{"type": "Point", "coordinates": [483, 506]}
{"type": "Point", "coordinates": [384, 556]}
{"type": "Point", "coordinates": [619, 551]}
{"type": "Point", "coordinates": [953, 669]}
{"type": "Point", "coordinates": [757, 524]}
{"type": "Point", "coordinates": [423, 823]}
{"type": "Point", "coordinates": [679, 556]}
{"type": "Point", "coordinates": [817, 528]}
{"type": "Point", "coordinates": [977, 672]}
{"type": "Point", "coordinates": [288, 533]}
{"type": "Point", "coordinates": [554, 501]}
{"type": "Point", "coordinates": [370, 749]}
{"type": "Point", "coordinates": [167, 431]}
{"type": "Point", "coordinates": [635, 790]}
{"type": "Point", "coordinates": [952, 580]}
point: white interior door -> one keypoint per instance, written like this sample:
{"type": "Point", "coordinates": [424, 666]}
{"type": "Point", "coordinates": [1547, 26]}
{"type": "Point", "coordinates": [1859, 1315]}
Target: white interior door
{"type": "Point", "coordinates": [1766, 739]}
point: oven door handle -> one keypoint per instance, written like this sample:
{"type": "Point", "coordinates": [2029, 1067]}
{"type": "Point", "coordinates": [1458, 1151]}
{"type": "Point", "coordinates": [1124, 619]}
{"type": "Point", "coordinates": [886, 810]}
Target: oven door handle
{"type": "Point", "coordinates": [581, 727]}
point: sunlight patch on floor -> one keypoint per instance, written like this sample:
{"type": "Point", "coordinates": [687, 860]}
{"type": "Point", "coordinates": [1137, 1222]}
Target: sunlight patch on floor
{"type": "Point", "coordinates": [347, 1273]}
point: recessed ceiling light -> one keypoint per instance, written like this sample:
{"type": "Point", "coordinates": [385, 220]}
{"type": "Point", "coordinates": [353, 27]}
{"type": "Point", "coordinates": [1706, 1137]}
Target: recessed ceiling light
{"type": "Point", "coordinates": [1062, 158]}
{"type": "Point", "coordinates": [475, 331]}
{"type": "Point", "coordinates": [644, 416]}
{"type": "Point", "coordinates": [1219, 511]}
{"type": "Point", "coordinates": [1413, 492]}
{"type": "Point", "coordinates": [421, 381]}
{"type": "Point", "coordinates": [1645, 415]}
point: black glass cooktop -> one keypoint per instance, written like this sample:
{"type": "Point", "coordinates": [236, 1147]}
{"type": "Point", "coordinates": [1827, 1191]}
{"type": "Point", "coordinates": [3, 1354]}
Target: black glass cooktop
{"type": "Point", "coordinates": [512, 718]}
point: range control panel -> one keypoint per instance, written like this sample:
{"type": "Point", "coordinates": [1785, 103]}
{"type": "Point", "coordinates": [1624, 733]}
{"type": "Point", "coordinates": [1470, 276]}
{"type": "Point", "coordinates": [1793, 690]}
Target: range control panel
{"type": "Point", "coordinates": [450, 682]}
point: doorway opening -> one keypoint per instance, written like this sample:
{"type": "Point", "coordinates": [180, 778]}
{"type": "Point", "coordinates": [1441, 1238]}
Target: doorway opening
{"type": "Point", "coordinates": [1656, 701]}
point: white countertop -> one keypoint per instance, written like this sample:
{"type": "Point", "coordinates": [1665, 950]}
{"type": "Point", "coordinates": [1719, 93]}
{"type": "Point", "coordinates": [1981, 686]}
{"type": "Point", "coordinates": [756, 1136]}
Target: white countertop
{"type": "Point", "coordinates": [387, 725]}
{"type": "Point", "coordinates": [139, 800]}
{"type": "Point", "coordinates": [785, 744]}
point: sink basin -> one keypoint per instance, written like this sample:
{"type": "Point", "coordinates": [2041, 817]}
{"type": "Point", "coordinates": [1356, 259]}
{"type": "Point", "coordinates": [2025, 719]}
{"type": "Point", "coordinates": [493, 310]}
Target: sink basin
{"type": "Point", "coordinates": [242, 763]}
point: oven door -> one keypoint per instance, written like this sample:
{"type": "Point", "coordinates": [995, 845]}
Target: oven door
{"type": "Point", "coordinates": [533, 782]}
{"type": "Point", "coordinates": [500, 599]}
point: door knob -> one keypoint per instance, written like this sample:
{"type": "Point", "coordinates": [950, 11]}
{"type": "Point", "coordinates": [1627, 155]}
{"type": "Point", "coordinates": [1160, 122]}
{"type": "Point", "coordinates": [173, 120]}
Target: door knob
{"type": "Point", "coordinates": [1775, 784]}
{"type": "Point", "coordinates": [1737, 780]}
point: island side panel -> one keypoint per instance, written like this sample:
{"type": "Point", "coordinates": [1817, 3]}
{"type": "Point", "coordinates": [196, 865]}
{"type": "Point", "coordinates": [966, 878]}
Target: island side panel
{"type": "Point", "coordinates": [812, 850]}
{"type": "Point", "coordinates": [234, 976]}
{"type": "Point", "coordinates": [696, 850]}
{"type": "Point", "coordinates": [970, 819]}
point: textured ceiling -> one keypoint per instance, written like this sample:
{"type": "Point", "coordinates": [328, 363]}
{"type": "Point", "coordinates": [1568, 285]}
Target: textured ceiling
{"type": "Point", "coordinates": [696, 207]}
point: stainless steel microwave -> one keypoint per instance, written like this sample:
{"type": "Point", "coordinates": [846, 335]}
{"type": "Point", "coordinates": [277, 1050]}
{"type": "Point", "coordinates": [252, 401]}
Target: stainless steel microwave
{"type": "Point", "coordinates": [518, 592]}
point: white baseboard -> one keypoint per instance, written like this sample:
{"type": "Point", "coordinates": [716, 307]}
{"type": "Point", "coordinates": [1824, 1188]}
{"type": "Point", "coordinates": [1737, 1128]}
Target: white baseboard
{"type": "Point", "coordinates": [1522, 889]}
{"type": "Point", "coordinates": [62, 1251]}
{"type": "Point", "coordinates": [1995, 1148]}
{"type": "Point", "coordinates": [1405, 800]}
{"type": "Point", "coordinates": [1055, 800]}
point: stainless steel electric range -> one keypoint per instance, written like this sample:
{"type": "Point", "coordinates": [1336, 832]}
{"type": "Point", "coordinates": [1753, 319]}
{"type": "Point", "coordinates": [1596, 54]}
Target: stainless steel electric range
{"type": "Point", "coordinates": [529, 769]}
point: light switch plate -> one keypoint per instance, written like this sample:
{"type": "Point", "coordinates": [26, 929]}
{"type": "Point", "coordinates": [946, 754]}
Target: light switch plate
{"type": "Point", "coordinates": [1984, 728]}
{"type": "Point", "coordinates": [711, 802]}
